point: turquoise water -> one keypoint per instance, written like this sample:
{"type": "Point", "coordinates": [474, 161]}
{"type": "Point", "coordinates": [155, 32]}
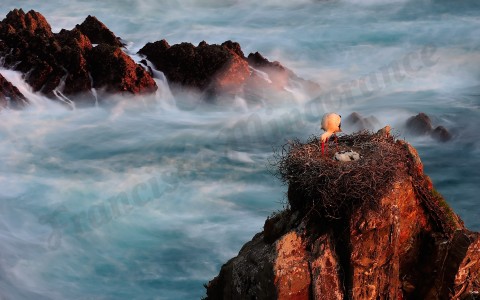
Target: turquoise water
{"type": "Point", "coordinates": [145, 199]}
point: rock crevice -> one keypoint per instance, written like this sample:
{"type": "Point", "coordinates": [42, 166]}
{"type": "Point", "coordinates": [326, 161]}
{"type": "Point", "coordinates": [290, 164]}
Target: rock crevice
{"type": "Point", "coordinates": [406, 244]}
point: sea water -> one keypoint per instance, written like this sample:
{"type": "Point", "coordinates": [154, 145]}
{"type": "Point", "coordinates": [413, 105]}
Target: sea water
{"type": "Point", "coordinates": [145, 198]}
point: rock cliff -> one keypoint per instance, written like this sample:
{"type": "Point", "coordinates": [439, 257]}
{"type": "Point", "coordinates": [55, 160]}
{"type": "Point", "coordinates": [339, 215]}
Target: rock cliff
{"type": "Point", "coordinates": [369, 229]}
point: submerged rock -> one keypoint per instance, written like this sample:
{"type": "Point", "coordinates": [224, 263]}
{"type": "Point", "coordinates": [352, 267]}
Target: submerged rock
{"type": "Point", "coordinates": [356, 122]}
{"type": "Point", "coordinates": [421, 124]}
{"type": "Point", "coordinates": [395, 241]}
{"type": "Point", "coordinates": [10, 96]}
{"type": "Point", "coordinates": [441, 134]}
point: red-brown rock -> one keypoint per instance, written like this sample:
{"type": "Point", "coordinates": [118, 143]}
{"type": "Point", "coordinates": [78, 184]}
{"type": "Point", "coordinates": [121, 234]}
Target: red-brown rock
{"type": "Point", "coordinates": [75, 47]}
{"type": "Point", "coordinates": [98, 33]}
{"type": "Point", "coordinates": [29, 47]}
{"type": "Point", "coordinates": [411, 245]}
{"type": "Point", "coordinates": [277, 73]}
{"type": "Point", "coordinates": [64, 63]}
{"type": "Point", "coordinates": [223, 69]}
{"type": "Point", "coordinates": [467, 279]}
{"type": "Point", "coordinates": [208, 68]}
{"type": "Point", "coordinates": [33, 22]}
{"type": "Point", "coordinates": [279, 78]}
{"type": "Point", "coordinates": [115, 71]}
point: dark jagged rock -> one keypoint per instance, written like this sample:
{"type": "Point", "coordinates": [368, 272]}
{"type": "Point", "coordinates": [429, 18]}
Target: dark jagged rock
{"type": "Point", "coordinates": [98, 33]}
{"type": "Point", "coordinates": [257, 60]}
{"type": "Point", "coordinates": [422, 125]}
{"type": "Point", "coordinates": [118, 72]}
{"type": "Point", "coordinates": [356, 122]}
{"type": "Point", "coordinates": [235, 47]}
{"type": "Point", "coordinates": [75, 46]}
{"type": "Point", "coordinates": [62, 63]}
{"type": "Point", "coordinates": [156, 52]}
{"type": "Point", "coordinates": [10, 96]}
{"type": "Point", "coordinates": [30, 47]}
{"type": "Point", "coordinates": [223, 69]}
{"type": "Point", "coordinates": [280, 76]}
{"type": "Point", "coordinates": [419, 124]}
{"type": "Point", "coordinates": [406, 243]}
{"type": "Point", "coordinates": [32, 22]}
{"type": "Point", "coordinates": [211, 68]}
{"type": "Point", "coordinates": [441, 134]}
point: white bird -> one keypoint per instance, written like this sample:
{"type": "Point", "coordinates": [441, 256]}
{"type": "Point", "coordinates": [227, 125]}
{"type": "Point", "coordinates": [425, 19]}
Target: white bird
{"type": "Point", "coordinates": [331, 123]}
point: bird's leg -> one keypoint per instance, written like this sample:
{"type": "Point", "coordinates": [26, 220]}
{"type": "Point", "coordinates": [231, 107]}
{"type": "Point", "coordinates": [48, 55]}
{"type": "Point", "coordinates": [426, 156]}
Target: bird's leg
{"type": "Point", "coordinates": [323, 148]}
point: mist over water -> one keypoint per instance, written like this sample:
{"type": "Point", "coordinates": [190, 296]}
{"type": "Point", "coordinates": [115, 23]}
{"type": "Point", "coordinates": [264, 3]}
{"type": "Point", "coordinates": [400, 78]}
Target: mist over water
{"type": "Point", "coordinates": [145, 198]}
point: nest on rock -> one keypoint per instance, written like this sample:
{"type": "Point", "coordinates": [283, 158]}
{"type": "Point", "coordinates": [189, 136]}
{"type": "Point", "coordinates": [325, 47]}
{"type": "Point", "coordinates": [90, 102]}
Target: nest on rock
{"type": "Point", "coordinates": [318, 183]}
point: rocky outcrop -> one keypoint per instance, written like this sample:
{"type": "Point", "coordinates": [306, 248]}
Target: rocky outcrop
{"type": "Point", "coordinates": [211, 68]}
{"type": "Point", "coordinates": [279, 76]}
{"type": "Point", "coordinates": [118, 72]}
{"type": "Point", "coordinates": [69, 64]}
{"type": "Point", "coordinates": [356, 240]}
{"type": "Point", "coordinates": [66, 64]}
{"type": "Point", "coordinates": [421, 124]}
{"type": "Point", "coordinates": [221, 69]}
{"type": "Point", "coordinates": [356, 122]}
{"type": "Point", "coordinates": [441, 134]}
{"type": "Point", "coordinates": [10, 96]}
{"type": "Point", "coordinates": [98, 33]}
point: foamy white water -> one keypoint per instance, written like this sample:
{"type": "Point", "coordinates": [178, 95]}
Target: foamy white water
{"type": "Point", "coordinates": [146, 199]}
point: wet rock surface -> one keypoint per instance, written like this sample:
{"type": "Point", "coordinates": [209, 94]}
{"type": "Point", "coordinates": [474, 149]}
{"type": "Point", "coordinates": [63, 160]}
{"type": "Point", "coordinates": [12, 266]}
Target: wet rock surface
{"type": "Point", "coordinates": [10, 96]}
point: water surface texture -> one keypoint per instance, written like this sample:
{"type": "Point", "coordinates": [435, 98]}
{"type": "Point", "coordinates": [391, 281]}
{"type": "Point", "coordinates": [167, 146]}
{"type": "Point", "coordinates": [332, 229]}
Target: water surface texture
{"type": "Point", "coordinates": [146, 199]}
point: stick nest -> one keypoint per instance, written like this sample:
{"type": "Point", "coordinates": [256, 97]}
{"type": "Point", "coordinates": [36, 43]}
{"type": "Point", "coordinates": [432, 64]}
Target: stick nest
{"type": "Point", "coordinates": [332, 188]}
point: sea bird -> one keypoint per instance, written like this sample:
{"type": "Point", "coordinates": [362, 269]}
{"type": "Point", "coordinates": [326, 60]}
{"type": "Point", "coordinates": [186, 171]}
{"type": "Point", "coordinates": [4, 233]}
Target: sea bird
{"type": "Point", "coordinates": [331, 123]}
